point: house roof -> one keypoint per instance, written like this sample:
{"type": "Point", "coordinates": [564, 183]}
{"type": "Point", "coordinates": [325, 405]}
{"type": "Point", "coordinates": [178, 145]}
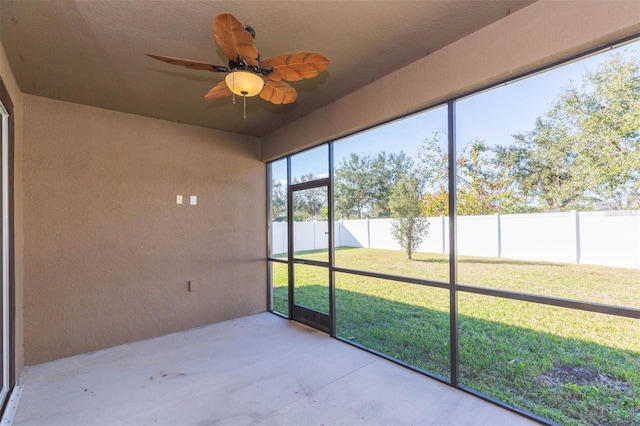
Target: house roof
{"type": "Point", "coordinates": [92, 52]}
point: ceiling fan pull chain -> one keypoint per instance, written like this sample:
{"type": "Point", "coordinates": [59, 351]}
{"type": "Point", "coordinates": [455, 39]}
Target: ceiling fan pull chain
{"type": "Point", "coordinates": [245, 105]}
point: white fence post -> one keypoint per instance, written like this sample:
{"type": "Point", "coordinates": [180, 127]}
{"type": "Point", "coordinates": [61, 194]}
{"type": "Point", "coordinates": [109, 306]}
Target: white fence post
{"type": "Point", "coordinates": [443, 235]}
{"type": "Point", "coordinates": [368, 234]}
{"type": "Point", "coordinates": [576, 226]}
{"type": "Point", "coordinates": [499, 235]}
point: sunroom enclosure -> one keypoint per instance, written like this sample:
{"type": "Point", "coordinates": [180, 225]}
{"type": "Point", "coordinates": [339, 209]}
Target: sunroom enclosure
{"type": "Point", "coordinates": [554, 340]}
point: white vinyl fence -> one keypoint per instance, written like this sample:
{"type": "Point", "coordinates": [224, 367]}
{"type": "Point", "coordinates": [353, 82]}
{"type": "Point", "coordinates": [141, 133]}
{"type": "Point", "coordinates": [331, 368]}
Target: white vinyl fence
{"type": "Point", "coordinates": [608, 238]}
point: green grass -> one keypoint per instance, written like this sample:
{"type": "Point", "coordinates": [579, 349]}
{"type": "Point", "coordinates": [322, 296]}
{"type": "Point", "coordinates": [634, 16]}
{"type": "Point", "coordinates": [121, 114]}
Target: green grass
{"type": "Point", "coordinates": [508, 349]}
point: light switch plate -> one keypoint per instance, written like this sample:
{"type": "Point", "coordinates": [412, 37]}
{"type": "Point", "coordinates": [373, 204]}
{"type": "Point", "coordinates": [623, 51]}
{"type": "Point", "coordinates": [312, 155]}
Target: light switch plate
{"type": "Point", "coordinates": [178, 199]}
{"type": "Point", "coordinates": [193, 285]}
{"type": "Point", "coordinates": [193, 200]}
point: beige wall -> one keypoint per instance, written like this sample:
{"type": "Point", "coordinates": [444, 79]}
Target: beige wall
{"type": "Point", "coordinates": [17, 98]}
{"type": "Point", "coordinates": [108, 252]}
{"type": "Point", "coordinates": [538, 35]}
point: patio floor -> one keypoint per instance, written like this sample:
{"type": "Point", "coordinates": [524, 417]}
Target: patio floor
{"type": "Point", "coordinates": [260, 369]}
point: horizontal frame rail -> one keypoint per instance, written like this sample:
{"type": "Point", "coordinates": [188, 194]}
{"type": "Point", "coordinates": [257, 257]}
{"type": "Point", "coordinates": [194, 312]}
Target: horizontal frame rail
{"type": "Point", "coordinates": [553, 301]}
{"type": "Point", "coordinates": [400, 278]}
{"type": "Point", "coordinates": [298, 261]}
{"type": "Point", "coordinates": [505, 294]}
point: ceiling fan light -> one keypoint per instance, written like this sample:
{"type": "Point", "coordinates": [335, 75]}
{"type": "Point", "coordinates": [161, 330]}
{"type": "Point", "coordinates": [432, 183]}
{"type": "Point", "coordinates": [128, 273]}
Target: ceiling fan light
{"type": "Point", "coordinates": [244, 83]}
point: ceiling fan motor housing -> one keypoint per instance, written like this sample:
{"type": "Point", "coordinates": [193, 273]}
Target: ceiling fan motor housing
{"type": "Point", "coordinates": [241, 65]}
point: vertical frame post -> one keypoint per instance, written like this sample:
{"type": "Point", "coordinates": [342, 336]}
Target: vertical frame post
{"type": "Point", "coordinates": [331, 219]}
{"type": "Point", "coordinates": [290, 237]}
{"type": "Point", "coordinates": [453, 272]}
{"type": "Point", "coordinates": [269, 238]}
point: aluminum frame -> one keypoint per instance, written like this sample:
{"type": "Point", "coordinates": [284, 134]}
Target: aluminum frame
{"type": "Point", "coordinates": [454, 363]}
{"type": "Point", "coordinates": [453, 286]}
{"type": "Point", "coordinates": [5, 287]}
{"type": "Point", "coordinates": [320, 320]}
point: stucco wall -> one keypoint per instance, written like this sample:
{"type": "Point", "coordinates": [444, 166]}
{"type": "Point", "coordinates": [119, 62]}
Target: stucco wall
{"type": "Point", "coordinates": [541, 34]}
{"type": "Point", "coordinates": [17, 98]}
{"type": "Point", "coordinates": [108, 252]}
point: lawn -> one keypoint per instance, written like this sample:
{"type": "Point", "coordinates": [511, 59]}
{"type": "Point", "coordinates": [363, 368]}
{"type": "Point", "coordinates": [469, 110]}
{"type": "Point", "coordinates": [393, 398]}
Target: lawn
{"type": "Point", "coordinates": [570, 366]}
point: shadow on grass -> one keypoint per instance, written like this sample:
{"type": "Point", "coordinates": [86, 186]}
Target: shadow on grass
{"type": "Point", "coordinates": [490, 261]}
{"type": "Point", "coordinates": [531, 370]}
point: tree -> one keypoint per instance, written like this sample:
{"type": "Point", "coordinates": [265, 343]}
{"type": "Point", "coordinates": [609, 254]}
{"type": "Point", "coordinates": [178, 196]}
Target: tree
{"type": "Point", "coordinates": [313, 202]}
{"type": "Point", "coordinates": [354, 189]}
{"type": "Point", "coordinates": [409, 226]}
{"type": "Point", "coordinates": [309, 204]}
{"type": "Point", "coordinates": [436, 203]}
{"type": "Point", "coordinates": [483, 183]}
{"type": "Point", "coordinates": [608, 112]}
{"type": "Point", "coordinates": [278, 201]}
{"type": "Point", "coordinates": [363, 183]}
{"type": "Point", "coordinates": [433, 162]}
{"type": "Point", "coordinates": [546, 161]}
{"type": "Point", "coordinates": [584, 152]}
{"type": "Point", "coordinates": [388, 168]}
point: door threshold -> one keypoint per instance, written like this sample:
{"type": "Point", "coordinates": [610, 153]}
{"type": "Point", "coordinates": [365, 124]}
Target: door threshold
{"type": "Point", "coordinates": [12, 406]}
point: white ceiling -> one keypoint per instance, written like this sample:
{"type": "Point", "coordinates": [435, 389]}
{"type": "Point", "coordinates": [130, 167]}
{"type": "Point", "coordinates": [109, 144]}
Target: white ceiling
{"type": "Point", "coordinates": [92, 52]}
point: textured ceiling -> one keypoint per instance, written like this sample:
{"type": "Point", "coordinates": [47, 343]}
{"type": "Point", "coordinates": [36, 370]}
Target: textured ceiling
{"type": "Point", "coordinates": [92, 52]}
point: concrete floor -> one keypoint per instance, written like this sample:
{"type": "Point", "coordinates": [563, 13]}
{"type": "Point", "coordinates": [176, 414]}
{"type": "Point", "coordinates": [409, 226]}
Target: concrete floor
{"type": "Point", "coordinates": [259, 370]}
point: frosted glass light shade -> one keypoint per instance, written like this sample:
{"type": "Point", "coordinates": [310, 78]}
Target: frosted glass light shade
{"type": "Point", "coordinates": [244, 83]}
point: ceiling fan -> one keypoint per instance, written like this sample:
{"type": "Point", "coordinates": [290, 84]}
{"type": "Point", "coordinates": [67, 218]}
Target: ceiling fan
{"type": "Point", "coordinates": [247, 74]}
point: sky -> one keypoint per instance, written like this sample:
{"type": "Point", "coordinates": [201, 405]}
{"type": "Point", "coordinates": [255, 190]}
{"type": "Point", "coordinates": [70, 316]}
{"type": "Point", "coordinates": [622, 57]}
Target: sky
{"type": "Point", "coordinates": [494, 116]}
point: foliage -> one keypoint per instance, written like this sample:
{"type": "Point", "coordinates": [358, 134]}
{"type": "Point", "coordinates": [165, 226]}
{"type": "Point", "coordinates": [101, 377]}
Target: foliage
{"type": "Point", "coordinates": [389, 172]}
{"type": "Point", "coordinates": [363, 183]}
{"type": "Point", "coordinates": [436, 203]}
{"type": "Point", "coordinates": [483, 183]}
{"type": "Point", "coordinates": [584, 152]}
{"type": "Point", "coordinates": [409, 226]}
{"type": "Point", "coordinates": [433, 163]}
{"type": "Point", "coordinates": [355, 188]}
{"type": "Point", "coordinates": [484, 186]}
{"type": "Point", "coordinates": [609, 115]}
{"type": "Point", "coordinates": [309, 204]}
{"type": "Point", "coordinates": [278, 201]}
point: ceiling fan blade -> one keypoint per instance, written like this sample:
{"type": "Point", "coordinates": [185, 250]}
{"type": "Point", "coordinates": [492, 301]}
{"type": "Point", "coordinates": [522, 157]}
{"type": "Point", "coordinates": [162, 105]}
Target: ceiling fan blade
{"type": "Point", "coordinates": [278, 92]}
{"type": "Point", "coordinates": [218, 91]}
{"type": "Point", "coordinates": [234, 39]}
{"type": "Point", "coordinates": [194, 65]}
{"type": "Point", "coordinates": [295, 66]}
